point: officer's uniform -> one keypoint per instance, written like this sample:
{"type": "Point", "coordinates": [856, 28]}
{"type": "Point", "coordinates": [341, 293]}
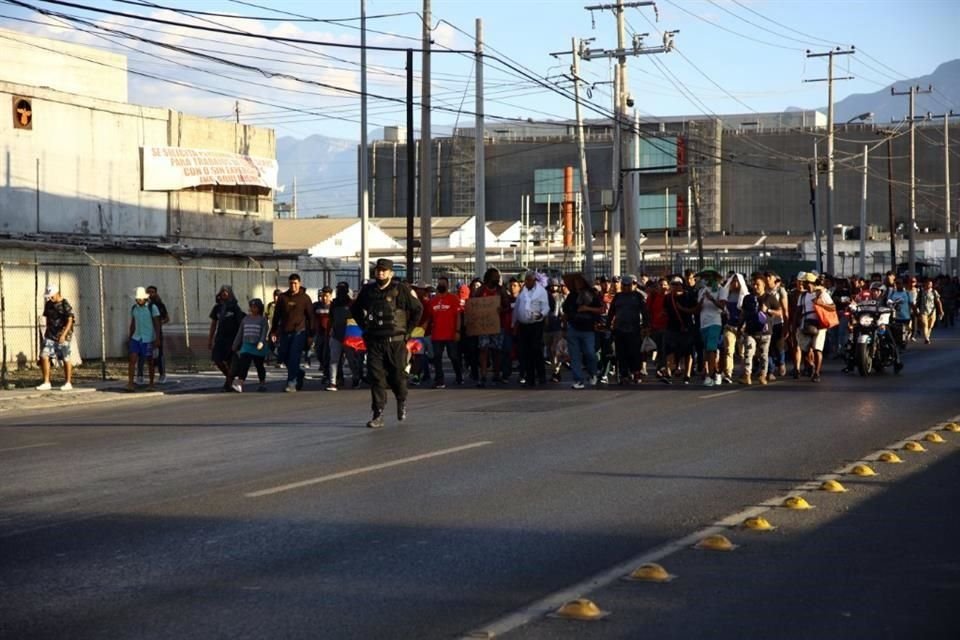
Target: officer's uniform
{"type": "Point", "coordinates": [387, 317]}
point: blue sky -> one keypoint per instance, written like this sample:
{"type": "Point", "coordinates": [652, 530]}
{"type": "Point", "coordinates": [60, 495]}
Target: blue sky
{"type": "Point", "coordinates": [731, 55]}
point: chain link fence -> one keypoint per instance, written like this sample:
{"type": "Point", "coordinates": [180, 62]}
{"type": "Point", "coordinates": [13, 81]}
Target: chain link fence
{"type": "Point", "coordinates": [100, 288]}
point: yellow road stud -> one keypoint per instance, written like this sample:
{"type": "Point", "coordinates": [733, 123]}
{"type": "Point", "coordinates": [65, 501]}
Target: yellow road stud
{"type": "Point", "coordinates": [889, 457]}
{"type": "Point", "coordinates": [650, 572]}
{"type": "Point", "coordinates": [758, 523]}
{"type": "Point", "coordinates": [862, 470]}
{"type": "Point", "coordinates": [952, 427]}
{"type": "Point", "coordinates": [797, 502]}
{"type": "Point", "coordinates": [580, 609]}
{"type": "Point", "coordinates": [914, 446]}
{"type": "Point", "coordinates": [934, 437]}
{"type": "Point", "coordinates": [716, 542]}
{"type": "Point", "coordinates": [832, 486]}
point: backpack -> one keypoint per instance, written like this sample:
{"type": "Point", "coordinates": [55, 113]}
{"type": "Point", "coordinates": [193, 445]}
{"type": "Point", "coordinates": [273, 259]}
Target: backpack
{"type": "Point", "coordinates": [754, 320]}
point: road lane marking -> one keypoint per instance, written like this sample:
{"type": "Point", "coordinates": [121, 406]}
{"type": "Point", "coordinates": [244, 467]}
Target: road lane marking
{"type": "Point", "coordinates": [374, 467]}
{"type": "Point", "coordinates": [722, 393]}
{"type": "Point", "coordinates": [30, 446]}
{"type": "Point", "coordinates": [540, 608]}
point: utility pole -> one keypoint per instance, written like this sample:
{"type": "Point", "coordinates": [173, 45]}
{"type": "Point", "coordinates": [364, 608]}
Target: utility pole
{"type": "Point", "coordinates": [575, 48]}
{"type": "Point", "coordinates": [426, 153]}
{"type": "Point", "coordinates": [912, 240]}
{"type": "Point", "coordinates": [892, 223]}
{"type": "Point", "coordinates": [586, 211]}
{"type": "Point", "coordinates": [947, 222]}
{"type": "Point", "coordinates": [364, 186]}
{"type": "Point", "coordinates": [480, 182]}
{"type": "Point", "coordinates": [829, 80]}
{"type": "Point", "coordinates": [814, 169]}
{"type": "Point", "coordinates": [621, 94]}
{"type": "Point", "coordinates": [863, 217]}
{"type": "Point", "coordinates": [411, 167]}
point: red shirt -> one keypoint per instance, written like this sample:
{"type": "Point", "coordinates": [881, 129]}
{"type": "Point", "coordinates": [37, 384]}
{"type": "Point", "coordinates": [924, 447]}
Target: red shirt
{"type": "Point", "coordinates": [443, 311]}
{"type": "Point", "coordinates": [658, 315]}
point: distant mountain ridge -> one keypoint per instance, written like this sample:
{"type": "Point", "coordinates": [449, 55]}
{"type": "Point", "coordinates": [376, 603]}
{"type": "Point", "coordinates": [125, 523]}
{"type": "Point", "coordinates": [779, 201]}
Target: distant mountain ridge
{"type": "Point", "coordinates": [945, 79]}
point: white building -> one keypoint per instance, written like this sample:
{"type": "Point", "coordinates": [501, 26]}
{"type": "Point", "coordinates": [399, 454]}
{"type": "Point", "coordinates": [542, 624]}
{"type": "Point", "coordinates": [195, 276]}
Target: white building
{"type": "Point", "coordinates": [81, 165]}
{"type": "Point", "coordinates": [329, 237]}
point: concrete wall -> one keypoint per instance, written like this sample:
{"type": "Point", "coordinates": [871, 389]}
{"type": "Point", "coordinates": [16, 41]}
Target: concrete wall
{"type": "Point", "coordinates": [67, 67]}
{"type": "Point", "coordinates": [77, 173]}
{"type": "Point", "coordinates": [778, 200]}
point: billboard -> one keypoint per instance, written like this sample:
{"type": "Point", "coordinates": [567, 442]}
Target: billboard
{"type": "Point", "coordinates": [175, 168]}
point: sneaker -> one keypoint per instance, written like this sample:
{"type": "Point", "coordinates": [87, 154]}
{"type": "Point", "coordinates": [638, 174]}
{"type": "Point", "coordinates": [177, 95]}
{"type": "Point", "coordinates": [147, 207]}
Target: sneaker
{"type": "Point", "coordinates": [46, 386]}
{"type": "Point", "coordinates": [708, 381]}
{"type": "Point", "coordinates": [236, 386]}
{"type": "Point", "coordinates": [717, 380]}
{"type": "Point", "coordinates": [331, 387]}
{"type": "Point", "coordinates": [290, 388]}
{"type": "Point", "coordinates": [555, 378]}
{"type": "Point", "coordinates": [815, 377]}
{"type": "Point", "coordinates": [593, 381]}
{"type": "Point", "coordinates": [727, 379]}
{"type": "Point", "coordinates": [162, 379]}
{"type": "Point", "coordinates": [139, 381]}
{"type": "Point", "coordinates": [666, 380]}
{"type": "Point", "coordinates": [300, 378]}
{"type": "Point", "coordinates": [771, 377]}
{"type": "Point", "coordinates": [439, 385]}
{"type": "Point", "coordinates": [523, 381]}
{"type": "Point", "coordinates": [401, 411]}
{"type": "Point", "coordinates": [782, 370]}
{"type": "Point", "coordinates": [796, 374]}
{"type": "Point", "coordinates": [376, 422]}
{"type": "Point", "coordinates": [66, 387]}
{"type": "Point", "coordinates": [686, 379]}
{"type": "Point", "coordinates": [578, 386]}
{"type": "Point", "coordinates": [130, 387]}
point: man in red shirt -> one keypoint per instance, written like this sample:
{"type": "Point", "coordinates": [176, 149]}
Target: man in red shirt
{"type": "Point", "coordinates": [444, 316]}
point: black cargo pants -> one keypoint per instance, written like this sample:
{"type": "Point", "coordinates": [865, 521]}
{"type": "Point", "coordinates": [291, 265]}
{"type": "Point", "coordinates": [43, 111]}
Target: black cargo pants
{"type": "Point", "coordinates": [387, 360]}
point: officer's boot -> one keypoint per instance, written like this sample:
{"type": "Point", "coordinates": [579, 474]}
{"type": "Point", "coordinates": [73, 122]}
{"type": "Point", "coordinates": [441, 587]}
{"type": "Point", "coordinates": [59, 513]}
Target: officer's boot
{"type": "Point", "coordinates": [377, 421]}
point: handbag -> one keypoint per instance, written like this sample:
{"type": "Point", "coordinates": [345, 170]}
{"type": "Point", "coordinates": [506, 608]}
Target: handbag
{"type": "Point", "coordinates": [827, 318]}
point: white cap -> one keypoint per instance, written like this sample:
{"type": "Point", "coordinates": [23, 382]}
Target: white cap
{"type": "Point", "coordinates": [51, 291]}
{"type": "Point", "coordinates": [141, 294]}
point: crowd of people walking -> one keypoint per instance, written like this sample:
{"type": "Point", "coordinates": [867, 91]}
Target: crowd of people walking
{"type": "Point", "coordinates": [703, 327]}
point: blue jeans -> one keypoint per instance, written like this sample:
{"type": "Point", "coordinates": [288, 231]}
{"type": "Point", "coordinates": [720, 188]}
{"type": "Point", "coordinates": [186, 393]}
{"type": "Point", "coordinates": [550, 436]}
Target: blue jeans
{"type": "Point", "coordinates": [289, 350]}
{"type": "Point", "coordinates": [583, 352]}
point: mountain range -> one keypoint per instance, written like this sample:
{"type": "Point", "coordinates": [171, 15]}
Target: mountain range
{"type": "Point", "coordinates": [326, 168]}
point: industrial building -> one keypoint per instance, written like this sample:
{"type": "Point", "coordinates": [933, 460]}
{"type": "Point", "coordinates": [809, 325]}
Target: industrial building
{"type": "Point", "coordinates": [753, 172]}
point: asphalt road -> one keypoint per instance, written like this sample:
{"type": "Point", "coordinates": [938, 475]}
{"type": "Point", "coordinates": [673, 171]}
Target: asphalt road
{"type": "Point", "coordinates": [280, 516]}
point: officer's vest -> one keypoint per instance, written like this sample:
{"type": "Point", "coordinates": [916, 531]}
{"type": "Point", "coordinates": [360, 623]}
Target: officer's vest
{"type": "Point", "coordinates": [384, 316]}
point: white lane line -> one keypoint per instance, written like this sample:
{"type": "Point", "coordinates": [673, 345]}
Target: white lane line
{"type": "Point", "coordinates": [722, 393]}
{"type": "Point", "coordinates": [373, 467]}
{"type": "Point", "coordinates": [30, 446]}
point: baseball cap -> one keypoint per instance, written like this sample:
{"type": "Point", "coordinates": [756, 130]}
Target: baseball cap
{"type": "Point", "coordinates": [51, 291]}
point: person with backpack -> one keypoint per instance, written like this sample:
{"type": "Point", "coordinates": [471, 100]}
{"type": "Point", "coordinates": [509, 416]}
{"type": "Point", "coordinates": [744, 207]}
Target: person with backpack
{"type": "Point", "coordinates": [158, 359]}
{"type": "Point", "coordinates": [387, 311]}
{"type": "Point", "coordinates": [811, 337]}
{"type": "Point", "coordinates": [143, 336]}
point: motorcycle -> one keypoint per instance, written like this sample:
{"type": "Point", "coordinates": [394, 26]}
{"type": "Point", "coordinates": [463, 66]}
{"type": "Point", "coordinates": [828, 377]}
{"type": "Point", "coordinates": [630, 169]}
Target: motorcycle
{"type": "Point", "coordinates": [872, 342]}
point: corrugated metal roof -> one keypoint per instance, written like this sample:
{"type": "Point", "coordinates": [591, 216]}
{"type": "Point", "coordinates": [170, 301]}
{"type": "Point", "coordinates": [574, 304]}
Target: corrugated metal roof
{"type": "Point", "coordinates": [441, 226]}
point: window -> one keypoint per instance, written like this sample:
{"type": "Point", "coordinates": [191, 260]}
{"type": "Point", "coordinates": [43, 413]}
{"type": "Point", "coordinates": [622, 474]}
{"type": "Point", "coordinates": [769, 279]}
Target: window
{"type": "Point", "coordinates": [235, 198]}
{"type": "Point", "coordinates": [22, 113]}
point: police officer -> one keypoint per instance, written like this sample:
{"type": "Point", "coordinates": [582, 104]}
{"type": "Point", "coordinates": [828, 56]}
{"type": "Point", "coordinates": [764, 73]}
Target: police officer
{"type": "Point", "coordinates": [387, 311]}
